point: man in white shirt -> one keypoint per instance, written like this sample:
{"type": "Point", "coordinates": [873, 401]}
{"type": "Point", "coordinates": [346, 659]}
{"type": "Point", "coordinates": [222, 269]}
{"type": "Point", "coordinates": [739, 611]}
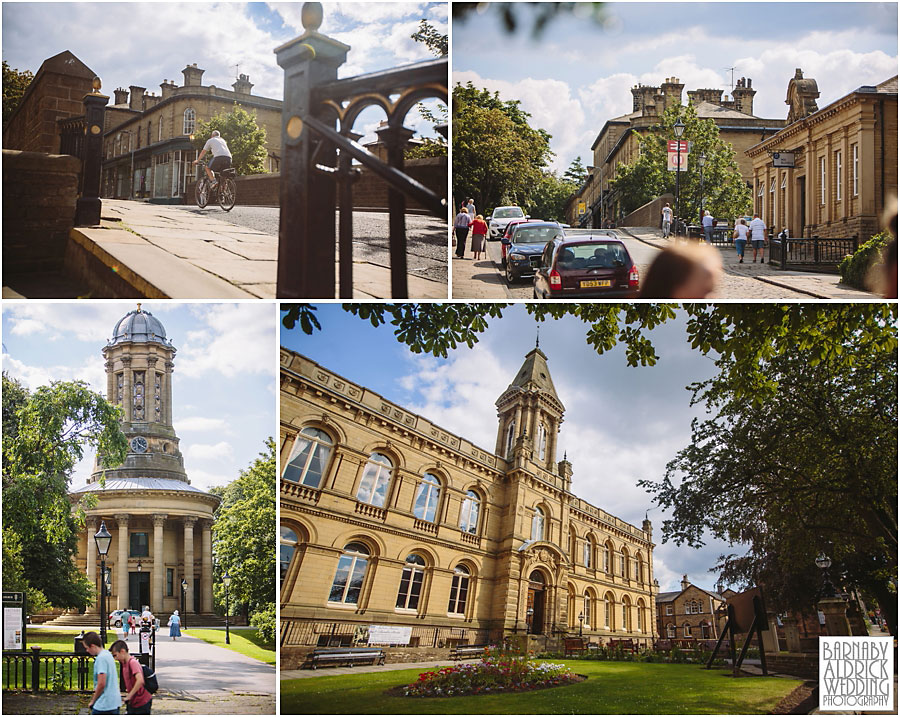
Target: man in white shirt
{"type": "Point", "coordinates": [667, 220]}
{"type": "Point", "coordinates": [221, 155]}
{"type": "Point", "coordinates": [707, 227]}
{"type": "Point", "coordinates": [758, 237]}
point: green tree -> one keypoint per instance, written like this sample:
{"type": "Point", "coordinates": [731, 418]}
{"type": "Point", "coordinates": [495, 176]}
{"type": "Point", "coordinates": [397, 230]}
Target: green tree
{"type": "Point", "coordinates": [244, 536]}
{"type": "Point", "coordinates": [576, 173]}
{"type": "Point", "coordinates": [550, 197]}
{"type": "Point", "coordinates": [725, 193]}
{"type": "Point", "coordinates": [431, 146]}
{"type": "Point", "coordinates": [498, 158]}
{"type": "Point", "coordinates": [14, 85]}
{"type": "Point", "coordinates": [433, 40]}
{"type": "Point", "coordinates": [245, 138]}
{"type": "Point", "coordinates": [541, 13]}
{"type": "Point", "coordinates": [45, 433]}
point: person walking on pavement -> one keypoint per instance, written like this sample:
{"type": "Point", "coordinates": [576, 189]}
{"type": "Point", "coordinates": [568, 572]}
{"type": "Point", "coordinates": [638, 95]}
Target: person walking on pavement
{"type": "Point", "coordinates": [221, 156]}
{"type": "Point", "coordinates": [479, 232]}
{"type": "Point", "coordinates": [667, 221]}
{"type": "Point", "coordinates": [106, 699]}
{"type": "Point", "coordinates": [138, 701]}
{"type": "Point", "coordinates": [461, 226]}
{"type": "Point", "coordinates": [758, 237]}
{"type": "Point", "coordinates": [740, 238]}
{"type": "Point", "coordinates": [126, 623]}
{"type": "Point", "coordinates": [470, 208]}
{"type": "Point", "coordinates": [174, 625]}
{"type": "Point", "coordinates": [707, 227]}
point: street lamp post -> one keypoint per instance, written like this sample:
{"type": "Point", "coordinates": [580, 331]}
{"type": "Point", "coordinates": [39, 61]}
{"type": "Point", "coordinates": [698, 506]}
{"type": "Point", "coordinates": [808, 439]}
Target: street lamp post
{"type": "Point", "coordinates": [580, 624]}
{"type": "Point", "coordinates": [183, 599]}
{"type": "Point", "coordinates": [102, 538]}
{"type": "Point", "coordinates": [679, 130]}
{"type": "Point", "coordinates": [701, 160]}
{"type": "Point", "coordinates": [529, 614]}
{"type": "Point", "coordinates": [141, 606]}
{"type": "Point", "coordinates": [823, 562]}
{"type": "Point", "coordinates": [226, 581]}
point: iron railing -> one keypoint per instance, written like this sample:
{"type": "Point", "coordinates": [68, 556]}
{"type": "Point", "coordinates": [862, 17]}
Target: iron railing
{"type": "Point", "coordinates": [71, 136]}
{"type": "Point", "coordinates": [820, 254]}
{"type": "Point", "coordinates": [37, 670]}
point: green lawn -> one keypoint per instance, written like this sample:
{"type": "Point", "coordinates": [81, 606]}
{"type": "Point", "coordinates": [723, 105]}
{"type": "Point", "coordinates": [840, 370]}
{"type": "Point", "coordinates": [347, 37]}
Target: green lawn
{"type": "Point", "coordinates": [611, 688]}
{"type": "Point", "coordinates": [243, 640]}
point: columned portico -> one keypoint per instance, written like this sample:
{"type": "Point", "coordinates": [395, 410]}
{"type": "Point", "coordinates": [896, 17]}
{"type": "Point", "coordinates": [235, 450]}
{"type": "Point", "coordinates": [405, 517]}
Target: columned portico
{"type": "Point", "coordinates": [189, 561]}
{"type": "Point", "coordinates": [122, 563]}
{"type": "Point", "coordinates": [159, 521]}
{"type": "Point", "coordinates": [206, 596]}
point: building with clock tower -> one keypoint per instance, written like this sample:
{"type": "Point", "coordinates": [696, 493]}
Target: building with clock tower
{"type": "Point", "coordinates": [161, 550]}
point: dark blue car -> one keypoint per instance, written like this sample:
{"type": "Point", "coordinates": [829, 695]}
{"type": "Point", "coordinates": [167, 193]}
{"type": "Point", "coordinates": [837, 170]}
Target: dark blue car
{"type": "Point", "coordinates": [522, 251]}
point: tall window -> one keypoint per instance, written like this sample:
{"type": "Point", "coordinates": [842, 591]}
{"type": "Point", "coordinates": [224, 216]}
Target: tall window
{"type": "Point", "coordinates": [670, 609]}
{"type": "Point", "coordinates": [855, 170]}
{"type": "Point", "coordinates": [140, 545]}
{"type": "Point", "coordinates": [537, 524]}
{"type": "Point", "coordinates": [287, 547]}
{"type": "Point", "coordinates": [351, 571]}
{"type": "Point", "coordinates": [640, 619]}
{"type": "Point", "coordinates": [622, 564]}
{"type": "Point", "coordinates": [625, 625]}
{"type": "Point", "coordinates": [822, 178]}
{"type": "Point", "coordinates": [159, 126]}
{"type": "Point", "coordinates": [686, 630]}
{"type": "Point", "coordinates": [510, 436]}
{"type": "Point", "coordinates": [309, 457]}
{"type": "Point", "coordinates": [607, 611]}
{"type": "Point", "coordinates": [459, 591]}
{"type": "Point", "coordinates": [468, 516]}
{"type": "Point", "coordinates": [170, 581]}
{"type": "Point", "coordinates": [670, 631]}
{"type": "Point", "coordinates": [542, 441]}
{"type": "Point", "coordinates": [838, 174]}
{"type": "Point", "coordinates": [607, 558]}
{"type": "Point", "coordinates": [411, 582]}
{"type": "Point", "coordinates": [427, 495]}
{"type": "Point", "coordinates": [375, 480]}
{"type": "Point", "coordinates": [149, 135]}
{"type": "Point", "coordinates": [587, 610]}
{"type": "Point", "coordinates": [189, 117]}
{"type": "Point", "coordinates": [588, 552]}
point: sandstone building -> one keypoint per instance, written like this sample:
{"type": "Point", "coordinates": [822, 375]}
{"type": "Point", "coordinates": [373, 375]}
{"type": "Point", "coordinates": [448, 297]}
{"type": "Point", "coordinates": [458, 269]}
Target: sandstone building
{"type": "Point", "coordinates": [161, 525]}
{"type": "Point", "coordinates": [845, 162]}
{"type": "Point", "coordinates": [689, 613]}
{"type": "Point", "coordinates": [388, 519]}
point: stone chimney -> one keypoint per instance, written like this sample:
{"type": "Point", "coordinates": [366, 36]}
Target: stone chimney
{"type": "Point", "coordinates": [167, 88]}
{"type": "Point", "coordinates": [193, 76]}
{"type": "Point", "coordinates": [137, 97]}
{"type": "Point", "coordinates": [121, 96]}
{"type": "Point", "coordinates": [242, 85]}
{"type": "Point", "coordinates": [151, 100]}
{"type": "Point", "coordinates": [714, 97]}
{"type": "Point", "coordinates": [743, 95]}
{"type": "Point", "coordinates": [671, 90]}
{"type": "Point", "coordinates": [647, 526]}
{"type": "Point", "coordinates": [564, 469]}
{"type": "Point", "coordinates": [685, 584]}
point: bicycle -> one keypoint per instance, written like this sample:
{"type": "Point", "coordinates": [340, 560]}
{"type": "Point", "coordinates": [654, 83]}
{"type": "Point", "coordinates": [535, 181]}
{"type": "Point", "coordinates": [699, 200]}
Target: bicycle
{"type": "Point", "coordinates": [225, 191]}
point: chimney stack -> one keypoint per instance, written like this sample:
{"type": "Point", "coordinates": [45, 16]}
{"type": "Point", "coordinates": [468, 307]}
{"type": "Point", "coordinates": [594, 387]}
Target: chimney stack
{"type": "Point", "coordinates": [684, 582]}
{"type": "Point", "coordinates": [193, 75]}
{"type": "Point", "coordinates": [242, 85]}
{"type": "Point", "coordinates": [167, 88]}
{"type": "Point", "coordinates": [137, 98]}
{"type": "Point", "coordinates": [121, 96]}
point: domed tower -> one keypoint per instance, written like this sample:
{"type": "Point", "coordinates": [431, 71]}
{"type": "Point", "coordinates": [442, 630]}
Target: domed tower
{"type": "Point", "coordinates": [161, 552]}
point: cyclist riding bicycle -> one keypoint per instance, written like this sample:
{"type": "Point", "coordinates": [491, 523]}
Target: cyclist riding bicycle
{"type": "Point", "coordinates": [221, 156]}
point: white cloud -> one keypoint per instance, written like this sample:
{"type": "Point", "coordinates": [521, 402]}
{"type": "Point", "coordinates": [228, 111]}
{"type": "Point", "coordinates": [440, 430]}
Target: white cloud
{"type": "Point", "coordinates": [201, 423]}
{"type": "Point", "coordinates": [92, 322]}
{"type": "Point", "coordinates": [240, 339]}
{"type": "Point", "coordinates": [221, 451]}
{"type": "Point", "coordinates": [35, 376]}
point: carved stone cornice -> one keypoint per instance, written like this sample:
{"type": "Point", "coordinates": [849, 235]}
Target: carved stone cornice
{"type": "Point", "coordinates": [189, 521]}
{"type": "Point", "coordinates": [159, 519]}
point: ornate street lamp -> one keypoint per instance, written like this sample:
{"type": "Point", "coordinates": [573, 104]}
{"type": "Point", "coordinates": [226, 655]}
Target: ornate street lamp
{"type": "Point", "coordinates": [823, 562]}
{"type": "Point", "coordinates": [102, 538]}
{"type": "Point", "coordinates": [226, 581]}
{"type": "Point", "coordinates": [701, 160]}
{"type": "Point", "coordinates": [580, 623]}
{"type": "Point", "coordinates": [529, 614]}
{"type": "Point", "coordinates": [183, 599]}
{"type": "Point", "coordinates": [679, 130]}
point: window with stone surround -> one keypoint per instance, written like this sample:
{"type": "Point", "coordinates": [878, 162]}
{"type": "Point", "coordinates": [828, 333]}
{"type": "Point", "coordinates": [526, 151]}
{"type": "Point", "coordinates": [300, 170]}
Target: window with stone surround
{"type": "Point", "coordinates": [670, 609]}
{"type": "Point", "coordinates": [139, 545]}
{"type": "Point", "coordinates": [588, 606]}
{"type": "Point", "coordinates": [286, 549]}
{"type": "Point", "coordinates": [670, 631]}
{"type": "Point", "coordinates": [459, 591]}
{"type": "Point", "coordinates": [686, 630]}
{"type": "Point", "coordinates": [428, 494]}
{"type": "Point", "coordinates": [468, 515]}
{"type": "Point", "coordinates": [411, 583]}
{"type": "Point", "coordinates": [510, 437]}
{"type": "Point", "coordinates": [855, 170]}
{"type": "Point", "coordinates": [309, 456]}
{"type": "Point", "coordinates": [170, 581]}
{"type": "Point", "coordinates": [189, 119]}
{"type": "Point", "coordinates": [537, 524]}
{"type": "Point", "coordinates": [838, 174]}
{"type": "Point", "coordinates": [375, 480]}
{"type": "Point", "coordinates": [348, 578]}
{"type": "Point", "coordinates": [542, 441]}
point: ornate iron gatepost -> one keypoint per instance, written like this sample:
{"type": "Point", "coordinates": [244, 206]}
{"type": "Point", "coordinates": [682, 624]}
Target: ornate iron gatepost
{"type": "Point", "coordinates": [87, 208]}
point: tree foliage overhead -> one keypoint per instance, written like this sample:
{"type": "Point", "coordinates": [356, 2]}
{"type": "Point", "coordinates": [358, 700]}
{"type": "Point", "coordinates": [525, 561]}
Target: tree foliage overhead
{"type": "Point", "coordinates": [431, 146]}
{"type": "Point", "coordinates": [436, 42]}
{"type": "Point", "coordinates": [244, 137]}
{"type": "Point", "coordinates": [45, 433]}
{"type": "Point", "coordinates": [725, 194]}
{"type": "Point", "coordinates": [541, 13]}
{"type": "Point", "coordinates": [498, 158]}
{"type": "Point", "coordinates": [14, 85]}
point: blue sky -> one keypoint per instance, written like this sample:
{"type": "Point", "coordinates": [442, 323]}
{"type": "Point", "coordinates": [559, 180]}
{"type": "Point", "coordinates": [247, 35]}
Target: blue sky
{"type": "Point", "coordinates": [144, 43]}
{"type": "Point", "coordinates": [223, 403]}
{"type": "Point", "coordinates": [579, 73]}
{"type": "Point", "coordinates": [621, 424]}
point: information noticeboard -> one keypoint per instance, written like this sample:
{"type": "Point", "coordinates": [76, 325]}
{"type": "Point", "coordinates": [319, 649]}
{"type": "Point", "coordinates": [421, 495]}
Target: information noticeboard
{"type": "Point", "coordinates": [782, 159]}
{"type": "Point", "coordinates": [13, 621]}
{"type": "Point", "coordinates": [389, 635]}
{"type": "Point", "coordinates": [145, 642]}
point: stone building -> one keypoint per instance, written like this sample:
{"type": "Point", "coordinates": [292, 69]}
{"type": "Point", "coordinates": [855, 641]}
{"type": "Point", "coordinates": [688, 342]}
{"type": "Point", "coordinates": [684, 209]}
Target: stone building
{"type": "Point", "coordinates": [150, 155]}
{"type": "Point", "coordinates": [689, 613]}
{"type": "Point", "coordinates": [388, 519]}
{"type": "Point", "coordinates": [618, 141]}
{"type": "Point", "coordinates": [845, 162]}
{"type": "Point", "coordinates": [161, 525]}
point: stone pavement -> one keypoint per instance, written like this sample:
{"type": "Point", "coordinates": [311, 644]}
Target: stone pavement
{"type": "Point", "coordinates": [164, 252]}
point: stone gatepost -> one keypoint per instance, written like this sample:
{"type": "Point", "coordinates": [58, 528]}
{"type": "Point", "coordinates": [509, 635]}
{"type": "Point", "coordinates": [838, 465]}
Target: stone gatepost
{"type": "Point", "coordinates": [87, 208]}
{"type": "Point", "coordinates": [791, 634]}
{"type": "Point", "coordinates": [770, 636]}
{"type": "Point", "coordinates": [835, 611]}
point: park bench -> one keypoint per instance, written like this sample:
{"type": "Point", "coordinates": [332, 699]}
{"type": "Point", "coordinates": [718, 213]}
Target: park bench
{"type": "Point", "coordinates": [624, 645]}
{"type": "Point", "coordinates": [466, 652]}
{"type": "Point", "coordinates": [573, 645]}
{"type": "Point", "coordinates": [344, 655]}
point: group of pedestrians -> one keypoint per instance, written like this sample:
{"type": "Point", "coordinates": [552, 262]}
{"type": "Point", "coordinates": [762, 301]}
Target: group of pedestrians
{"type": "Point", "coordinates": [465, 220]}
{"type": "Point", "coordinates": [755, 233]}
{"type": "Point", "coordinates": [107, 699]}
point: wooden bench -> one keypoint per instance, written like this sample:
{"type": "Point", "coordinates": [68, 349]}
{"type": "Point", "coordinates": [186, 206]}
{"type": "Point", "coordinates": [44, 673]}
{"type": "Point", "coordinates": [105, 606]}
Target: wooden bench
{"type": "Point", "coordinates": [573, 645]}
{"type": "Point", "coordinates": [344, 655]}
{"type": "Point", "coordinates": [624, 645]}
{"type": "Point", "coordinates": [466, 652]}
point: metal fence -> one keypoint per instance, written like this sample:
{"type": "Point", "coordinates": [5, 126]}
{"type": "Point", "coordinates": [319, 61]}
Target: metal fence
{"type": "Point", "coordinates": [815, 252]}
{"type": "Point", "coordinates": [37, 670]}
{"type": "Point", "coordinates": [71, 136]}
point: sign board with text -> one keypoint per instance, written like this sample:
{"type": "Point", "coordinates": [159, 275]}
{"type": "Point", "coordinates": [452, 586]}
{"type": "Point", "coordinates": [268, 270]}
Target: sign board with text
{"type": "Point", "coordinates": [582, 208]}
{"type": "Point", "coordinates": [674, 157]}
{"type": "Point", "coordinates": [783, 159]}
{"type": "Point", "coordinates": [389, 635]}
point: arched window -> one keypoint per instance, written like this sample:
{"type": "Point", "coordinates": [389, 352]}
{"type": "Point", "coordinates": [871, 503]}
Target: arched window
{"type": "Point", "coordinates": [640, 616]}
{"type": "Point", "coordinates": [351, 571]}
{"type": "Point", "coordinates": [626, 613]}
{"type": "Point", "coordinates": [374, 484]}
{"type": "Point", "coordinates": [541, 442]}
{"type": "Point", "coordinates": [608, 558]}
{"type": "Point", "coordinates": [588, 552]}
{"type": "Point", "coordinates": [587, 611]}
{"type": "Point", "coordinates": [189, 117]}
{"type": "Point", "coordinates": [537, 524]}
{"type": "Point", "coordinates": [287, 548]}
{"type": "Point", "coordinates": [459, 591]}
{"type": "Point", "coordinates": [411, 582]}
{"type": "Point", "coordinates": [686, 628]}
{"type": "Point", "coordinates": [573, 545]}
{"type": "Point", "coordinates": [607, 611]}
{"type": "Point", "coordinates": [510, 437]}
{"type": "Point", "coordinates": [670, 631]}
{"type": "Point", "coordinates": [468, 516]}
{"type": "Point", "coordinates": [309, 457]}
{"type": "Point", "coordinates": [639, 569]}
{"type": "Point", "coordinates": [427, 496]}
{"type": "Point", "coordinates": [159, 126]}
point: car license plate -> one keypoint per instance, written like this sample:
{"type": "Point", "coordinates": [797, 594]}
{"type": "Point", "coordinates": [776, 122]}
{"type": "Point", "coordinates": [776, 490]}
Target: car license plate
{"type": "Point", "coordinates": [596, 284]}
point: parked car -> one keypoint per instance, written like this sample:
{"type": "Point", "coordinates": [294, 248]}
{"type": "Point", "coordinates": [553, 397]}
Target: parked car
{"type": "Point", "coordinates": [500, 217]}
{"type": "Point", "coordinates": [586, 267]}
{"type": "Point", "coordinates": [525, 245]}
{"type": "Point", "coordinates": [507, 234]}
{"type": "Point", "coordinates": [116, 617]}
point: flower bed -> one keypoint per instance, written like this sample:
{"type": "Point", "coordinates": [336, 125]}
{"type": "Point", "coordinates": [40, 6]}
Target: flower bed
{"type": "Point", "coordinates": [490, 676]}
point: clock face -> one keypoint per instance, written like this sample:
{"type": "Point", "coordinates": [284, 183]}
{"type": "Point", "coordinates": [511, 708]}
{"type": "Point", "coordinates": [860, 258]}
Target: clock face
{"type": "Point", "coordinates": [139, 444]}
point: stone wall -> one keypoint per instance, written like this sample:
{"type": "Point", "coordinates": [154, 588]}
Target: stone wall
{"type": "Point", "coordinates": [39, 193]}
{"type": "Point", "coordinates": [649, 215]}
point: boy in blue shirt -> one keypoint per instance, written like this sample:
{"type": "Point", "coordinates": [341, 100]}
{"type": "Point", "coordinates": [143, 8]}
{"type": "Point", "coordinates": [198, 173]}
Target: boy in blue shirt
{"type": "Point", "coordinates": [106, 699]}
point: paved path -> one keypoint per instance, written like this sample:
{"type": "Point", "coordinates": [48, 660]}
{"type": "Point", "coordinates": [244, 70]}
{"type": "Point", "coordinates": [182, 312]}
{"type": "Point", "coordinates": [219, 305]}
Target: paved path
{"type": "Point", "coordinates": [390, 667]}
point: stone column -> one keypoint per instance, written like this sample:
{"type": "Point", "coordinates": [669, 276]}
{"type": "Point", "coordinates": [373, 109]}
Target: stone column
{"type": "Point", "coordinates": [189, 562]}
{"type": "Point", "coordinates": [835, 610]}
{"type": "Point", "coordinates": [206, 597]}
{"type": "Point", "coordinates": [167, 393]}
{"type": "Point", "coordinates": [122, 562]}
{"type": "Point", "coordinates": [552, 431]}
{"type": "Point", "coordinates": [867, 178]}
{"type": "Point", "coordinates": [110, 382]}
{"type": "Point", "coordinates": [126, 388]}
{"type": "Point", "coordinates": [90, 558]}
{"type": "Point", "coordinates": [159, 565]}
{"type": "Point", "coordinates": [812, 184]}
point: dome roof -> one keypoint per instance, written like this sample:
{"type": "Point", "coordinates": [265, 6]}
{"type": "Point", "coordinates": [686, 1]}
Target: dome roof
{"type": "Point", "coordinates": [114, 484]}
{"type": "Point", "coordinates": [140, 327]}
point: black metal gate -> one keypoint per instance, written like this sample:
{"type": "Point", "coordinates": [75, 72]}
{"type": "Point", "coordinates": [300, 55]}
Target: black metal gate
{"type": "Point", "coordinates": [319, 148]}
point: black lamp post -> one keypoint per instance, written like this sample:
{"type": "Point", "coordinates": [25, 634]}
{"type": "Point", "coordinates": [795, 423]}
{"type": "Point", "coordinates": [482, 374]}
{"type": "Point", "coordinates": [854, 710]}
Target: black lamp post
{"type": "Point", "coordinates": [679, 130]}
{"type": "Point", "coordinates": [102, 538]}
{"type": "Point", "coordinates": [580, 623]}
{"type": "Point", "coordinates": [183, 599]}
{"type": "Point", "coordinates": [226, 581]}
{"type": "Point", "coordinates": [701, 160]}
{"type": "Point", "coordinates": [823, 562]}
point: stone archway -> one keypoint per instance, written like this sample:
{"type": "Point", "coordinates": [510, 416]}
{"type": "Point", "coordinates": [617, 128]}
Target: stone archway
{"type": "Point", "coordinates": [536, 608]}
